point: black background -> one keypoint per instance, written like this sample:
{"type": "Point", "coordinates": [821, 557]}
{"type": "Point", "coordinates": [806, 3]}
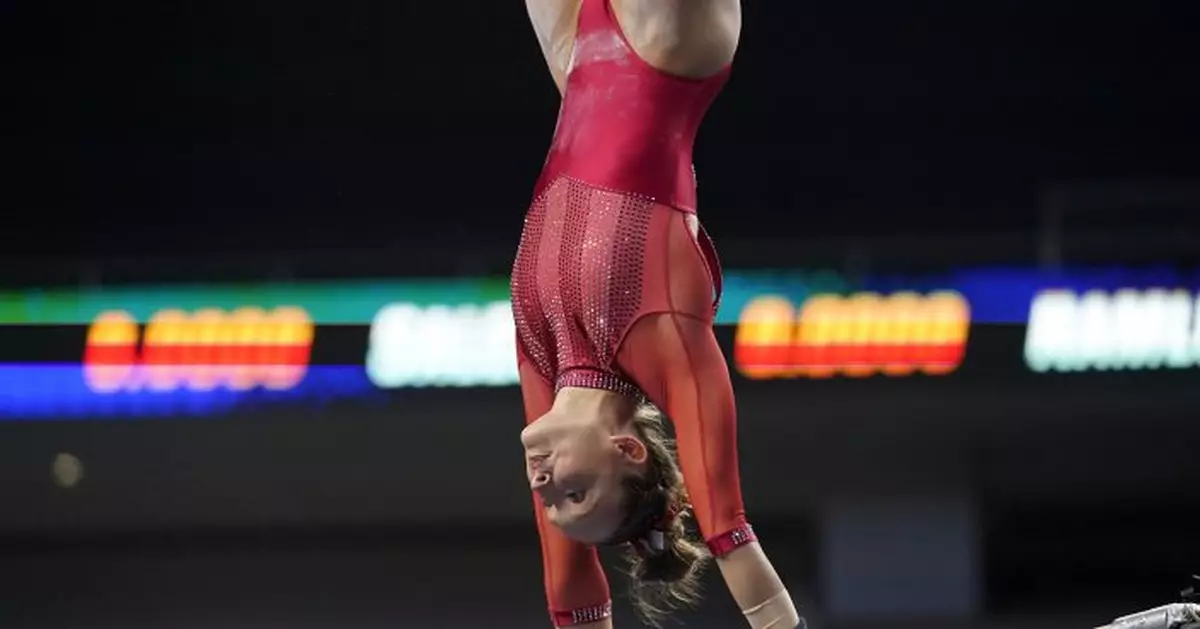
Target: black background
{"type": "Point", "coordinates": [248, 126]}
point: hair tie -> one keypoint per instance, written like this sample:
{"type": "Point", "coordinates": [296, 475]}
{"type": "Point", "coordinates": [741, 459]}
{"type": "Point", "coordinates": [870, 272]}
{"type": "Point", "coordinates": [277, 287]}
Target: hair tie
{"type": "Point", "coordinates": [668, 518]}
{"type": "Point", "coordinates": [653, 543]}
{"type": "Point", "coordinates": [656, 541]}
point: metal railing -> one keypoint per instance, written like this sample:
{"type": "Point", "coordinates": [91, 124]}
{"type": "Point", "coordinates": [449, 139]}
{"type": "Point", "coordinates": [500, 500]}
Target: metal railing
{"type": "Point", "coordinates": [1185, 615]}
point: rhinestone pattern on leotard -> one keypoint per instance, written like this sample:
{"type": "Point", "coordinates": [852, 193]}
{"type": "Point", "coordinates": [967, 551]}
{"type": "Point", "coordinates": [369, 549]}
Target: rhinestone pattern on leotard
{"type": "Point", "coordinates": [577, 282]}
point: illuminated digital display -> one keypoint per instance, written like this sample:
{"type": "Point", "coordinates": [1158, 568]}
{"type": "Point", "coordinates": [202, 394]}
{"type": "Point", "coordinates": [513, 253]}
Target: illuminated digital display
{"type": "Point", "coordinates": [1126, 329]}
{"type": "Point", "coordinates": [210, 349]}
{"type": "Point", "coordinates": [461, 346]}
{"type": "Point", "coordinates": [202, 362]}
{"type": "Point", "coordinates": [189, 350]}
{"type": "Point", "coordinates": [856, 336]}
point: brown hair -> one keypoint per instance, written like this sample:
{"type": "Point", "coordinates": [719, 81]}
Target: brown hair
{"type": "Point", "coordinates": [657, 503]}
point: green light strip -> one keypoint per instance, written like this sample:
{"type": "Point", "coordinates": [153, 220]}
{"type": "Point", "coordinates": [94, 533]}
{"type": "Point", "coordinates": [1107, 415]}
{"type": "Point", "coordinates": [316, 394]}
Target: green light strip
{"type": "Point", "coordinates": [348, 302]}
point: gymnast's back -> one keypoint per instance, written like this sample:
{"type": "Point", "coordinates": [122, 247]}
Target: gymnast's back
{"type": "Point", "coordinates": [637, 77]}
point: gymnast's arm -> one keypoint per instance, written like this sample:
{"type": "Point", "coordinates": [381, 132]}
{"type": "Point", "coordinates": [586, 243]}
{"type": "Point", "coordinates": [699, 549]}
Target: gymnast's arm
{"type": "Point", "coordinates": [575, 582]}
{"type": "Point", "coordinates": [577, 590]}
{"type": "Point", "coordinates": [689, 380]}
{"type": "Point", "coordinates": [554, 22]}
{"type": "Point", "coordinates": [690, 38]}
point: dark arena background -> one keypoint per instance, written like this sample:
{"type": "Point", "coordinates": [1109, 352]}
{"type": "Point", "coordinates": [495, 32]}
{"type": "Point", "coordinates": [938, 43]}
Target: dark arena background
{"type": "Point", "coordinates": [256, 354]}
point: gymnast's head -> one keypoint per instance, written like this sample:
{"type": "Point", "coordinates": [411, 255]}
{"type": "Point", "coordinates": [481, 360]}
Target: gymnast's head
{"type": "Point", "coordinates": [605, 472]}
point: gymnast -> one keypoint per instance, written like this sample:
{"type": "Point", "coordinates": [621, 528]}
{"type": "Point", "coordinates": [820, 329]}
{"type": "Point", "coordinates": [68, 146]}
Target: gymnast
{"type": "Point", "coordinates": [614, 292]}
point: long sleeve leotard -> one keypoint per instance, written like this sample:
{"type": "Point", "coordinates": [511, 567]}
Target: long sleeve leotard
{"type": "Point", "coordinates": [613, 289]}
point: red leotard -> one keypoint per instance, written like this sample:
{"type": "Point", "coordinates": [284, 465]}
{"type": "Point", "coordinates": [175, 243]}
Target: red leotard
{"type": "Point", "coordinates": [612, 290]}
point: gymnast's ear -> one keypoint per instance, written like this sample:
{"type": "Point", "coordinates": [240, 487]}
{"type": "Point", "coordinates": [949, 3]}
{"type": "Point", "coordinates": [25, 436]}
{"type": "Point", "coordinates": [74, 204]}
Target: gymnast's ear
{"type": "Point", "coordinates": [631, 448]}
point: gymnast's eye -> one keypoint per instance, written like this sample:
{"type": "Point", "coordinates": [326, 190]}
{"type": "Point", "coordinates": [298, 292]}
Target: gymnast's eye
{"type": "Point", "coordinates": [576, 496]}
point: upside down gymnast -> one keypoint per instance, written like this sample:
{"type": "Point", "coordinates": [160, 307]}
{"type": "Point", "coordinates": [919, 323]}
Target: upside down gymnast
{"type": "Point", "coordinates": [614, 291]}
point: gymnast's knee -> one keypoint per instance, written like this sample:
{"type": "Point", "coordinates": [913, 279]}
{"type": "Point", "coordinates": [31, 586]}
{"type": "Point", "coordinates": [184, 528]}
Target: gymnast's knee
{"type": "Point", "coordinates": [777, 612]}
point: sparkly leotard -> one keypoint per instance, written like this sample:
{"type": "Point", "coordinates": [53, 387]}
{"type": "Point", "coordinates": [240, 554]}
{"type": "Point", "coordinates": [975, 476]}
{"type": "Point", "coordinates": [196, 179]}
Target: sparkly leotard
{"type": "Point", "coordinates": [613, 290]}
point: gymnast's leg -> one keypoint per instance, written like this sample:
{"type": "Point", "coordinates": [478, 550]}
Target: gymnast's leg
{"type": "Point", "coordinates": [675, 359]}
{"type": "Point", "coordinates": [576, 588]}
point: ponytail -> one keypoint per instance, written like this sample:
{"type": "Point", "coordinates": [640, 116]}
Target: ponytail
{"type": "Point", "coordinates": [665, 563]}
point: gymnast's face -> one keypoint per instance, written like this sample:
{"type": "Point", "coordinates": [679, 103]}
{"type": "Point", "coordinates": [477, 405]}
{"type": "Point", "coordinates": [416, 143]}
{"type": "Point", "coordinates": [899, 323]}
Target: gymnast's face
{"type": "Point", "coordinates": [578, 475]}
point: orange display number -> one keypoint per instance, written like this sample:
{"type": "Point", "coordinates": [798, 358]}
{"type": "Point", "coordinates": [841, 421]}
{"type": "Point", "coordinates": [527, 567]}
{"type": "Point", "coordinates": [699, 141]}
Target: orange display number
{"type": "Point", "coordinates": [856, 336]}
{"type": "Point", "coordinates": [202, 351]}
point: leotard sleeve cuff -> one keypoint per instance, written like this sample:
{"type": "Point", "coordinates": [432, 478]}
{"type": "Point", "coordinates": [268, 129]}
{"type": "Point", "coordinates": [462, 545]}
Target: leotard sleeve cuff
{"type": "Point", "coordinates": [582, 615]}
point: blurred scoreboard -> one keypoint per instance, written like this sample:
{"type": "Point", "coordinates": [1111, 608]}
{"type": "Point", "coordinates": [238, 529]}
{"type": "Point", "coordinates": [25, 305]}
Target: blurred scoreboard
{"type": "Point", "coordinates": [162, 351]}
{"type": "Point", "coordinates": [1100, 330]}
{"type": "Point", "coordinates": [858, 335]}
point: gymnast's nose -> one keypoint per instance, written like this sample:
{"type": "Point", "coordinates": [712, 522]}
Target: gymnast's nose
{"type": "Point", "coordinates": [539, 479]}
